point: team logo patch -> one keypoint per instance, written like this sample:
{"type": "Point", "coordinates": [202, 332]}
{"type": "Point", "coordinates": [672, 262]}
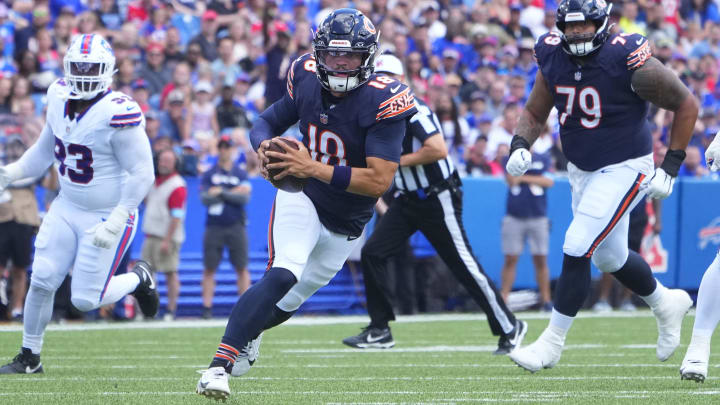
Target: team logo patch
{"type": "Point", "coordinates": [369, 25]}
{"type": "Point", "coordinates": [323, 118]}
{"type": "Point", "coordinates": [396, 105]}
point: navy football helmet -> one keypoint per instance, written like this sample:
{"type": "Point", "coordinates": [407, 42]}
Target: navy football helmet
{"type": "Point", "coordinates": [345, 31]}
{"type": "Point", "coordinates": [596, 11]}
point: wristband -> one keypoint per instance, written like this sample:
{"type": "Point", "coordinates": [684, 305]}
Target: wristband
{"type": "Point", "coordinates": [518, 142]}
{"type": "Point", "coordinates": [672, 162]}
{"type": "Point", "coordinates": [341, 177]}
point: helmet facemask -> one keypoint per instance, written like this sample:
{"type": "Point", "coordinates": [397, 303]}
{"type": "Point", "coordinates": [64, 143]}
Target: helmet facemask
{"type": "Point", "coordinates": [344, 80]}
{"type": "Point", "coordinates": [585, 44]}
{"type": "Point", "coordinates": [88, 74]}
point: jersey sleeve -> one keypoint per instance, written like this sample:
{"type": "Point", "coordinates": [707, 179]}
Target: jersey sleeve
{"type": "Point", "coordinates": [384, 140]}
{"type": "Point", "coordinates": [634, 48]}
{"type": "Point", "coordinates": [300, 66]}
{"type": "Point", "coordinates": [126, 113]}
{"type": "Point", "coordinates": [388, 100]}
{"type": "Point", "coordinates": [545, 45]}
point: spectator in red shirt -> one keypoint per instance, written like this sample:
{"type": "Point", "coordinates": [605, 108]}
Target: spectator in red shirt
{"type": "Point", "coordinates": [164, 224]}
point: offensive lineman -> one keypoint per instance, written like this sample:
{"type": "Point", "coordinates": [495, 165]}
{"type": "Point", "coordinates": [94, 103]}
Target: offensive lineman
{"type": "Point", "coordinates": [600, 84]}
{"type": "Point", "coordinates": [105, 169]}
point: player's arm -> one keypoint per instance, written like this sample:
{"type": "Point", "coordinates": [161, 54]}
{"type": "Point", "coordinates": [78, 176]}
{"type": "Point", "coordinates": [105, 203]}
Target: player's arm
{"type": "Point", "coordinates": [659, 85]}
{"type": "Point", "coordinates": [33, 163]}
{"type": "Point", "coordinates": [536, 111]}
{"type": "Point", "coordinates": [432, 150]}
{"type": "Point", "coordinates": [273, 122]}
{"type": "Point", "coordinates": [530, 126]}
{"type": "Point", "coordinates": [132, 151]}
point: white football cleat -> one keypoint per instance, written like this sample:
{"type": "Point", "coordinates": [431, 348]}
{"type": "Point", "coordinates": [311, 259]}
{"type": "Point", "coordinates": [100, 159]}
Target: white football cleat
{"type": "Point", "coordinates": [669, 315]}
{"type": "Point", "coordinates": [214, 384]}
{"type": "Point", "coordinates": [247, 357]}
{"type": "Point", "coordinates": [545, 352]}
{"type": "Point", "coordinates": [695, 364]}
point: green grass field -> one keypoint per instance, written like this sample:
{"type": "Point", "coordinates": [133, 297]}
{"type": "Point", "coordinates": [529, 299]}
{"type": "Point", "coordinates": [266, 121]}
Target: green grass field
{"type": "Point", "coordinates": [437, 359]}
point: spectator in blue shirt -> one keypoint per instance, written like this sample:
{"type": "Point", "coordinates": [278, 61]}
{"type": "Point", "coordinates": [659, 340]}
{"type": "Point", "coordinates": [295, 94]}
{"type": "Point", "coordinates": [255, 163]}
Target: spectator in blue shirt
{"type": "Point", "coordinates": [225, 191]}
{"type": "Point", "coordinates": [526, 220]}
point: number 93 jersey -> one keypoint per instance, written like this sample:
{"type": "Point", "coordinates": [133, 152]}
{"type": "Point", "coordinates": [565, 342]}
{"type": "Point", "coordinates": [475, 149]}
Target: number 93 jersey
{"type": "Point", "coordinates": [88, 169]}
{"type": "Point", "coordinates": [368, 121]}
{"type": "Point", "coordinates": [602, 120]}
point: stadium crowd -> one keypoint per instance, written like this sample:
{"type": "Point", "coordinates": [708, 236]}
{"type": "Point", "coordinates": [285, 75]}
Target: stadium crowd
{"type": "Point", "coordinates": [201, 70]}
{"type": "Point", "coordinates": [204, 70]}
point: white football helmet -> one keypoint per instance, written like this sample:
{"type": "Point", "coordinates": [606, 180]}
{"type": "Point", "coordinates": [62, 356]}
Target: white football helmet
{"type": "Point", "coordinates": [89, 66]}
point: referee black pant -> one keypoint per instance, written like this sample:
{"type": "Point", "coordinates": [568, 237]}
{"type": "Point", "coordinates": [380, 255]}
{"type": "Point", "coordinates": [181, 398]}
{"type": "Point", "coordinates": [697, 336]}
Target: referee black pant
{"type": "Point", "coordinates": [439, 218]}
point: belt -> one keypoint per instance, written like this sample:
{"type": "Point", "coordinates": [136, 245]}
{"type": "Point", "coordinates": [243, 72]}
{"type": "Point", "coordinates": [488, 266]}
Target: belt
{"type": "Point", "coordinates": [452, 182]}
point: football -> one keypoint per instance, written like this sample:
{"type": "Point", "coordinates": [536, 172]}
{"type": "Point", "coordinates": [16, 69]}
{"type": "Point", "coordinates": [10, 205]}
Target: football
{"type": "Point", "coordinates": [290, 184]}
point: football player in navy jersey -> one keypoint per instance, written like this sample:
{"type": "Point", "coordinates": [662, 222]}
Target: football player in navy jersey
{"type": "Point", "coordinates": [353, 123]}
{"type": "Point", "coordinates": [601, 85]}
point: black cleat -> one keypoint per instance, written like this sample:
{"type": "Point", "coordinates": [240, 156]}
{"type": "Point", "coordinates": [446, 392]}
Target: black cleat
{"type": "Point", "coordinates": [371, 338]}
{"type": "Point", "coordinates": [146, 292]}
{"type": "Point", "coordinates": [509, 342]}
{"type": "Point", "coordinates": [23, 363]}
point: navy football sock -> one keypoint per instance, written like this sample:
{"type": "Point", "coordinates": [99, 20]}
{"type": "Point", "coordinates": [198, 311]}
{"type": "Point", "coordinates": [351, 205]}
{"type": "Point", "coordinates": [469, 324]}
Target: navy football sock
{"type": "Point", "coordinates": [277, 317]}
{"type": "Point", "coordinates": [573, 285]}
{"type": "Point", "coordinates": [636, 275]}
{"type": "Point", "coordinates": [251, 313]}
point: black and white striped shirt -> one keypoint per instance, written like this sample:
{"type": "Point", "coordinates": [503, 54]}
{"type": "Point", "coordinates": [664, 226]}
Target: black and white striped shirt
{"type": "Point", "coordinates": [420, 127]}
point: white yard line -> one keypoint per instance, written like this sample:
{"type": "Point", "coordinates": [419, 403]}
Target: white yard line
{"type": "Point", "coordinates": [310, 320]}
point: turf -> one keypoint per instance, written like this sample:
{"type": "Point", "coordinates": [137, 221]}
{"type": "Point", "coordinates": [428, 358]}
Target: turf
{"type": "Point", "coordinates": [441, 359]}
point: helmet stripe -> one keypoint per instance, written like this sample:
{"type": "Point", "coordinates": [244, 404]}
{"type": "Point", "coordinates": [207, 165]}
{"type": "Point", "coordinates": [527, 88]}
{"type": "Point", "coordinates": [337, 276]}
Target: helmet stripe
{"type": "Point", "coordinates": [85, 46]}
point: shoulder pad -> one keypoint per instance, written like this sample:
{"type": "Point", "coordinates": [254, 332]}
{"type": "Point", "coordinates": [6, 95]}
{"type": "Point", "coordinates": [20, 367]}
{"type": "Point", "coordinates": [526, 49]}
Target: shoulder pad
{"type": "Point", "coordinates": [635, 48]}
{"type": "Point", "coordinates": [392, 98]}
{"type": "Point", "coordinates": [300, 66]}
{"type": "Point", "coordinates": [125, 111]}
{"type": "Point", "coordinates": [545, 45]}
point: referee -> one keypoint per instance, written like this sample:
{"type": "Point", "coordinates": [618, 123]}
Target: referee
{"type": "Point", "coordinates": [429, 200]}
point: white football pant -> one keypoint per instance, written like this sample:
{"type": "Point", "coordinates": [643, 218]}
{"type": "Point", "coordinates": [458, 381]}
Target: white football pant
{"type": "Point", "coordinates": [601, 203]}
{"type": "Point", "coordinates": [62, 244]}
{"type": "Point", "coordinates": [297, 241]}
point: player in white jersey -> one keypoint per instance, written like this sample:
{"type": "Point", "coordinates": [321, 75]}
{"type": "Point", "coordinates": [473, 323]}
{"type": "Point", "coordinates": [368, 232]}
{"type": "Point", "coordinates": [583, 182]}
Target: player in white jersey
{"type": "Point", "coordinates": [707, 312]}
{"type": "Point", "coordinates": [104, 163]}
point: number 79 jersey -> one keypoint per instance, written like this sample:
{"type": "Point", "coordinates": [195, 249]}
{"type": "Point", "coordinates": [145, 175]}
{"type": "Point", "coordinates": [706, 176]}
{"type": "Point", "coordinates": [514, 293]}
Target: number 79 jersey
{"type": "Point", "coordinates": [602, 120]}
{"type": "Point", "coordinates": [89, 173]}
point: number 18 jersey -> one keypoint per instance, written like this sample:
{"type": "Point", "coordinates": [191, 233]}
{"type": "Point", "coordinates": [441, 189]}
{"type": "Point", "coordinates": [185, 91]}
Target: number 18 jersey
{"type": "Point", "coordinates": [89, 173]}
{"type": "Point", "coordinates": [602, 120]}
{"type": "Point", "coordinates": [344, 131]}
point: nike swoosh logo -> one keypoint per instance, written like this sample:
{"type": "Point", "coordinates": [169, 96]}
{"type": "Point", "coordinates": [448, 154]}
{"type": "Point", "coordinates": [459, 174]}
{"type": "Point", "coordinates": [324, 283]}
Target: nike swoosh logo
{"type": "Point", "coordinates": [130, 108]}
{"type": "Point", "coordinates": [29, 370]}
{"type": "Point", "coordinates": [639, 41]}
{"type": "Point", "coordinates": [372, 339]}
{"type": "Point", "coordinates": [395, 89]}
{"type": "Point", "coordinates": [152, 283]}
{"type": "Point", "coordinates": [203, 385]}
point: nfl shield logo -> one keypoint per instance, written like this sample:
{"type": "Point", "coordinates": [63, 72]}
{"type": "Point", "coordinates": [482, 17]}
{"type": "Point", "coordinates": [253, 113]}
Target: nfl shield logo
{"type": "Point", "coordinates": [578, 76]}
{"type": "Point", "coordinates": [323, 118]}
